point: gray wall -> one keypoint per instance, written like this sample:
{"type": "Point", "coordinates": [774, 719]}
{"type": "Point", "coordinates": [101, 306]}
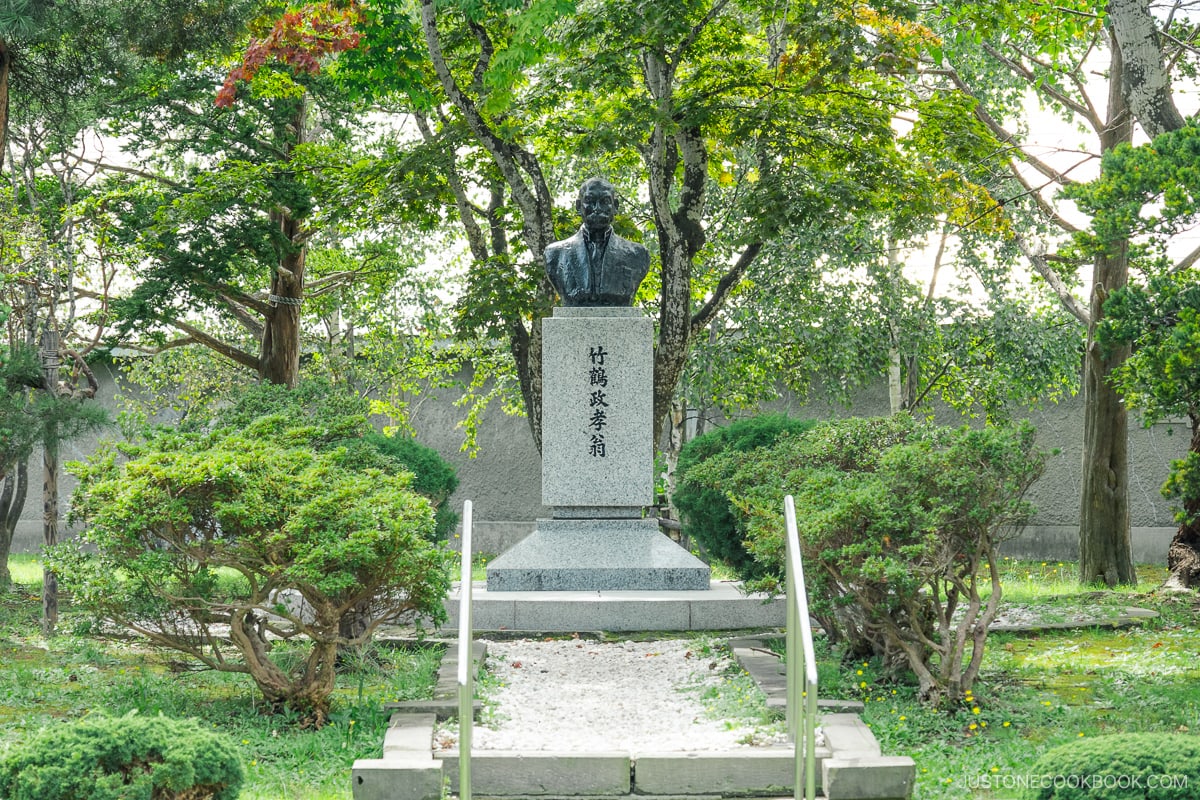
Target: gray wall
{"type": "Point", "coordinates": [504, 480]}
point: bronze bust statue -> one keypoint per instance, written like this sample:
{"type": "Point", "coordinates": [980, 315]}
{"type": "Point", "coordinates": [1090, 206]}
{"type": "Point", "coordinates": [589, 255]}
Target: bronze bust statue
{"type": "Point", "coordinates": [596, 267]}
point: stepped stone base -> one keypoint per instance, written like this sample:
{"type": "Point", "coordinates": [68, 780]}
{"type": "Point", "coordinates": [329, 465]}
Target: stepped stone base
{"type": "Point", "coordinates": [568, 555]}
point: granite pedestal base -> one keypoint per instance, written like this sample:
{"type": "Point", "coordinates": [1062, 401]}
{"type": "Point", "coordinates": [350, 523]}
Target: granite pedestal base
{"type": "Point", "coordinates": [596, 555]}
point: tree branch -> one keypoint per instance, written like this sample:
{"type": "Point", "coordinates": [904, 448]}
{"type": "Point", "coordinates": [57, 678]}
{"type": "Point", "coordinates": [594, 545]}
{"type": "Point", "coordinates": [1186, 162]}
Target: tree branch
{"type": "Point", "coordinates": [137, 173]}
{"type": "Point", "coordinates": [1187, 261]}
{"type": "Point", "coordinates": [1027, 74]}
{"type": "Point", "coordinates": [698, 29]}
{"type": "Point", "coordinates": [1052, 278]}
{"type": "Point", "coordinates": [728, 281]}
{"type": "Point", "coordinates": [1003, 134]}
{"type": "Point", "coordinates": [229, 351]}
{"type": "Point", "coordinates": [1044, 205]}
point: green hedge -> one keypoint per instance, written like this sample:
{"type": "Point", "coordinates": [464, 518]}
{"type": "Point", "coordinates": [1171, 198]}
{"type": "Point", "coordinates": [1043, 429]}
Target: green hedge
{"type": "Point", "coordinates": [707, 515]}
{"type": "Point", "coordinates": [123, 758]}
{"type": "Point", "coordinates": [1149, 766]}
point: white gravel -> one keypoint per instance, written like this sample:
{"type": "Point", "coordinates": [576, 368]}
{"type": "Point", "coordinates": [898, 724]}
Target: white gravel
{"type": "Point", "coordinates": [587, 696]}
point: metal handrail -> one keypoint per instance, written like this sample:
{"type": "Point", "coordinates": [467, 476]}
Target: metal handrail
{"type": "Point", "coordinates": [801, 664]}
{"type": "Point", "coordinates": [466, 671]}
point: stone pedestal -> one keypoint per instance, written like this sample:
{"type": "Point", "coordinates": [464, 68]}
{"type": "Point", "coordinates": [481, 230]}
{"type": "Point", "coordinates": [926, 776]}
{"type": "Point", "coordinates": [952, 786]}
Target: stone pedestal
{"type": "Point", "coordinates": [566, 555]}
{"type": "Point", "coordinates": [597, 465]}
{"type": "Point", "coordinates": [597, 412]}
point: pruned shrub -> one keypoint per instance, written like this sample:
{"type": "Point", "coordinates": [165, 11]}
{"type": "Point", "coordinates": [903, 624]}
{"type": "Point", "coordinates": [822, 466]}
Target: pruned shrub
{"type": "Point", "coordinates": [433, 476]}
{"type": "Point", "coordinates": [1127, 766]}
{"type": "Point", "coordinates": [707, 515]}
{"type": "Point", "coordinates": [899, 524]}
{"type": "Point", "coordinates": [324, 534]}
{"type": "Point", "coordinates": [122, 758]}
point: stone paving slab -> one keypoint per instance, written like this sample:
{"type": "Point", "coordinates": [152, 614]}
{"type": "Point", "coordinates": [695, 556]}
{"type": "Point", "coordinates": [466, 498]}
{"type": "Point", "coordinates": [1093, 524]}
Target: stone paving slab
{"type": "Point", "coordinates": [874, 778]}
{"type": "Point", "coordinates": [501, 773]}
{"type": "Point", "coordinates": [742, 772]}
{"type": "Point", "coordinates": [395, 778]}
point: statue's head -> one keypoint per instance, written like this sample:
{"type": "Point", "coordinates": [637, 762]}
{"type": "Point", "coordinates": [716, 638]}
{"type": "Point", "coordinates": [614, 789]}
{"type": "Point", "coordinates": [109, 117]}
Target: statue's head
{"type": "Point", "coordinates": [597, 203]}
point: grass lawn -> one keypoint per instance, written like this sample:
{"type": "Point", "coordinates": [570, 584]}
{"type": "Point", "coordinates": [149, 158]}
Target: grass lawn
{"type": "Point", "coordinates": [75, 674]}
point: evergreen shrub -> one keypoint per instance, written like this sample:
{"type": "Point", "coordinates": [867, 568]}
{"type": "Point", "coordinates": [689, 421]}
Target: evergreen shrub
{"type": "Point", "coordinates": [286, 490]}
{"type": "Point", "coordinates": [123, 758]}
{"type": "Point", "coordinates": [1149, 766]}
{"type": "Point", "coordinates": [899, 525]}
{"type": "Point", "coordinates": [706, 512]}
{"type": "Point", "coordinates": [433, 476]}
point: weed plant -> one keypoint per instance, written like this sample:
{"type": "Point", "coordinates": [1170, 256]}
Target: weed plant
{"type": "Point", "coordinates": [43, 682]}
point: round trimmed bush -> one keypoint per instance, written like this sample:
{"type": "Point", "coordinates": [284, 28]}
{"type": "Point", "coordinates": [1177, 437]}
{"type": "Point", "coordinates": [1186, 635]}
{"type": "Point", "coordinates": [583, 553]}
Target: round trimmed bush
{"type": "Point", "coordinates": [1146, 766]}
{"type": "Point", "coordinates": [433, 476]}
{"type": "Point", "coordinates": [123, 758]}
{"type": "Point", "coordinates": [706, 513]}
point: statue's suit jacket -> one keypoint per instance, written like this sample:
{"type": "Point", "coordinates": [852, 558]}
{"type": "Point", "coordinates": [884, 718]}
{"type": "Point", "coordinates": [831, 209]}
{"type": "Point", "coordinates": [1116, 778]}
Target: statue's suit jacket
{"type": "Point", "coordinates": [616, 277]}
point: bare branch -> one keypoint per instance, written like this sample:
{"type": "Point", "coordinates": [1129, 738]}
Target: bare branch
{"type": "Point", "coordinates": [1051, 91]}
{"type": "Point", "coordinates": [1045, 206]}
{"type": "Point", "coordinates": [137, 173]}
{"type": "Point", "coordinates": [1187, 261]}
{"type": "Point", "coordinates": [728, 281]}
{"type": "Point", "coordinates": [1055, 282]}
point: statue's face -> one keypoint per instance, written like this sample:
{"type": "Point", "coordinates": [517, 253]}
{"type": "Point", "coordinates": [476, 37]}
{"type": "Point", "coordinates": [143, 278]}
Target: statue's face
{"type": "Point", "coordinates": [597, 205]}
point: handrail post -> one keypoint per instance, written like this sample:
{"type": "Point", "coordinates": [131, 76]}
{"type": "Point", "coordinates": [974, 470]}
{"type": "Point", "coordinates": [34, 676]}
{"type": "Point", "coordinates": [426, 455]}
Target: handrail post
{"type": "Point", "coordinates": [801, 663]}
{"type": "Point", "coordinates": [466, 666]}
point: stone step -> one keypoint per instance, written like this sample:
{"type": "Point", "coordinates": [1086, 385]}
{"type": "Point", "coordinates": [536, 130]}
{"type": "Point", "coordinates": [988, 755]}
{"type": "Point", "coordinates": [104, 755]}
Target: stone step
{"type": "Point", "coordinates": [721, 607]}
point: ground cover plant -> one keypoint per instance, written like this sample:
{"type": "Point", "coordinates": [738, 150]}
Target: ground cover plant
{"type": "Point", "coordinates": [285, 492]}
{"type": "Point", "coordinates": [45, 683]}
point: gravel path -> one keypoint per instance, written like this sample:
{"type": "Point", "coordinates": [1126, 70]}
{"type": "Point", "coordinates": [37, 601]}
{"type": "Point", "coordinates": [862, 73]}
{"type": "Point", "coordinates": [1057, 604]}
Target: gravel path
{"type": "Point", "coordinates": [586, 696]}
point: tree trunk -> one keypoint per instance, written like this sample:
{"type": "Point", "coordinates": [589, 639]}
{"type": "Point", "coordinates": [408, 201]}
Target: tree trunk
{"type": "Point", "coordinates": [5, 70]}
{"type": "Point", "coordinates": [50, 364]}
{"type": "Point", "coordinates": [1105, 546]}
{"type": "Point", "coordinates": [1143, 77]}
{"type": "Point", "coordinates": [280, 357]}
{"type": "Point", "coordinates": [12, 503]}
{"type": "Point", "coordinates": [1146, 86]}
{"type": "Point", "coordinates": [1183, 556]}
{"type": "Point", "coordinates": [50, 537]}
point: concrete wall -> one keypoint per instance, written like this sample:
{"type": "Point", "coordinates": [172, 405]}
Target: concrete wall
{"type": "Point", "coordinates": [504, 479]}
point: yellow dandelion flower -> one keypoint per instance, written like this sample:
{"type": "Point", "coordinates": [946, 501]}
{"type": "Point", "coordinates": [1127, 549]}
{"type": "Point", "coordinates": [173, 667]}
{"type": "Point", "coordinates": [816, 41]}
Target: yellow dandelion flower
{"type": "Point", "coordinates": [975, 710]}
{"type": "Point", "coordinates": [1007, 724]}
{"type": "Point", "coordinates": [973, 726]}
